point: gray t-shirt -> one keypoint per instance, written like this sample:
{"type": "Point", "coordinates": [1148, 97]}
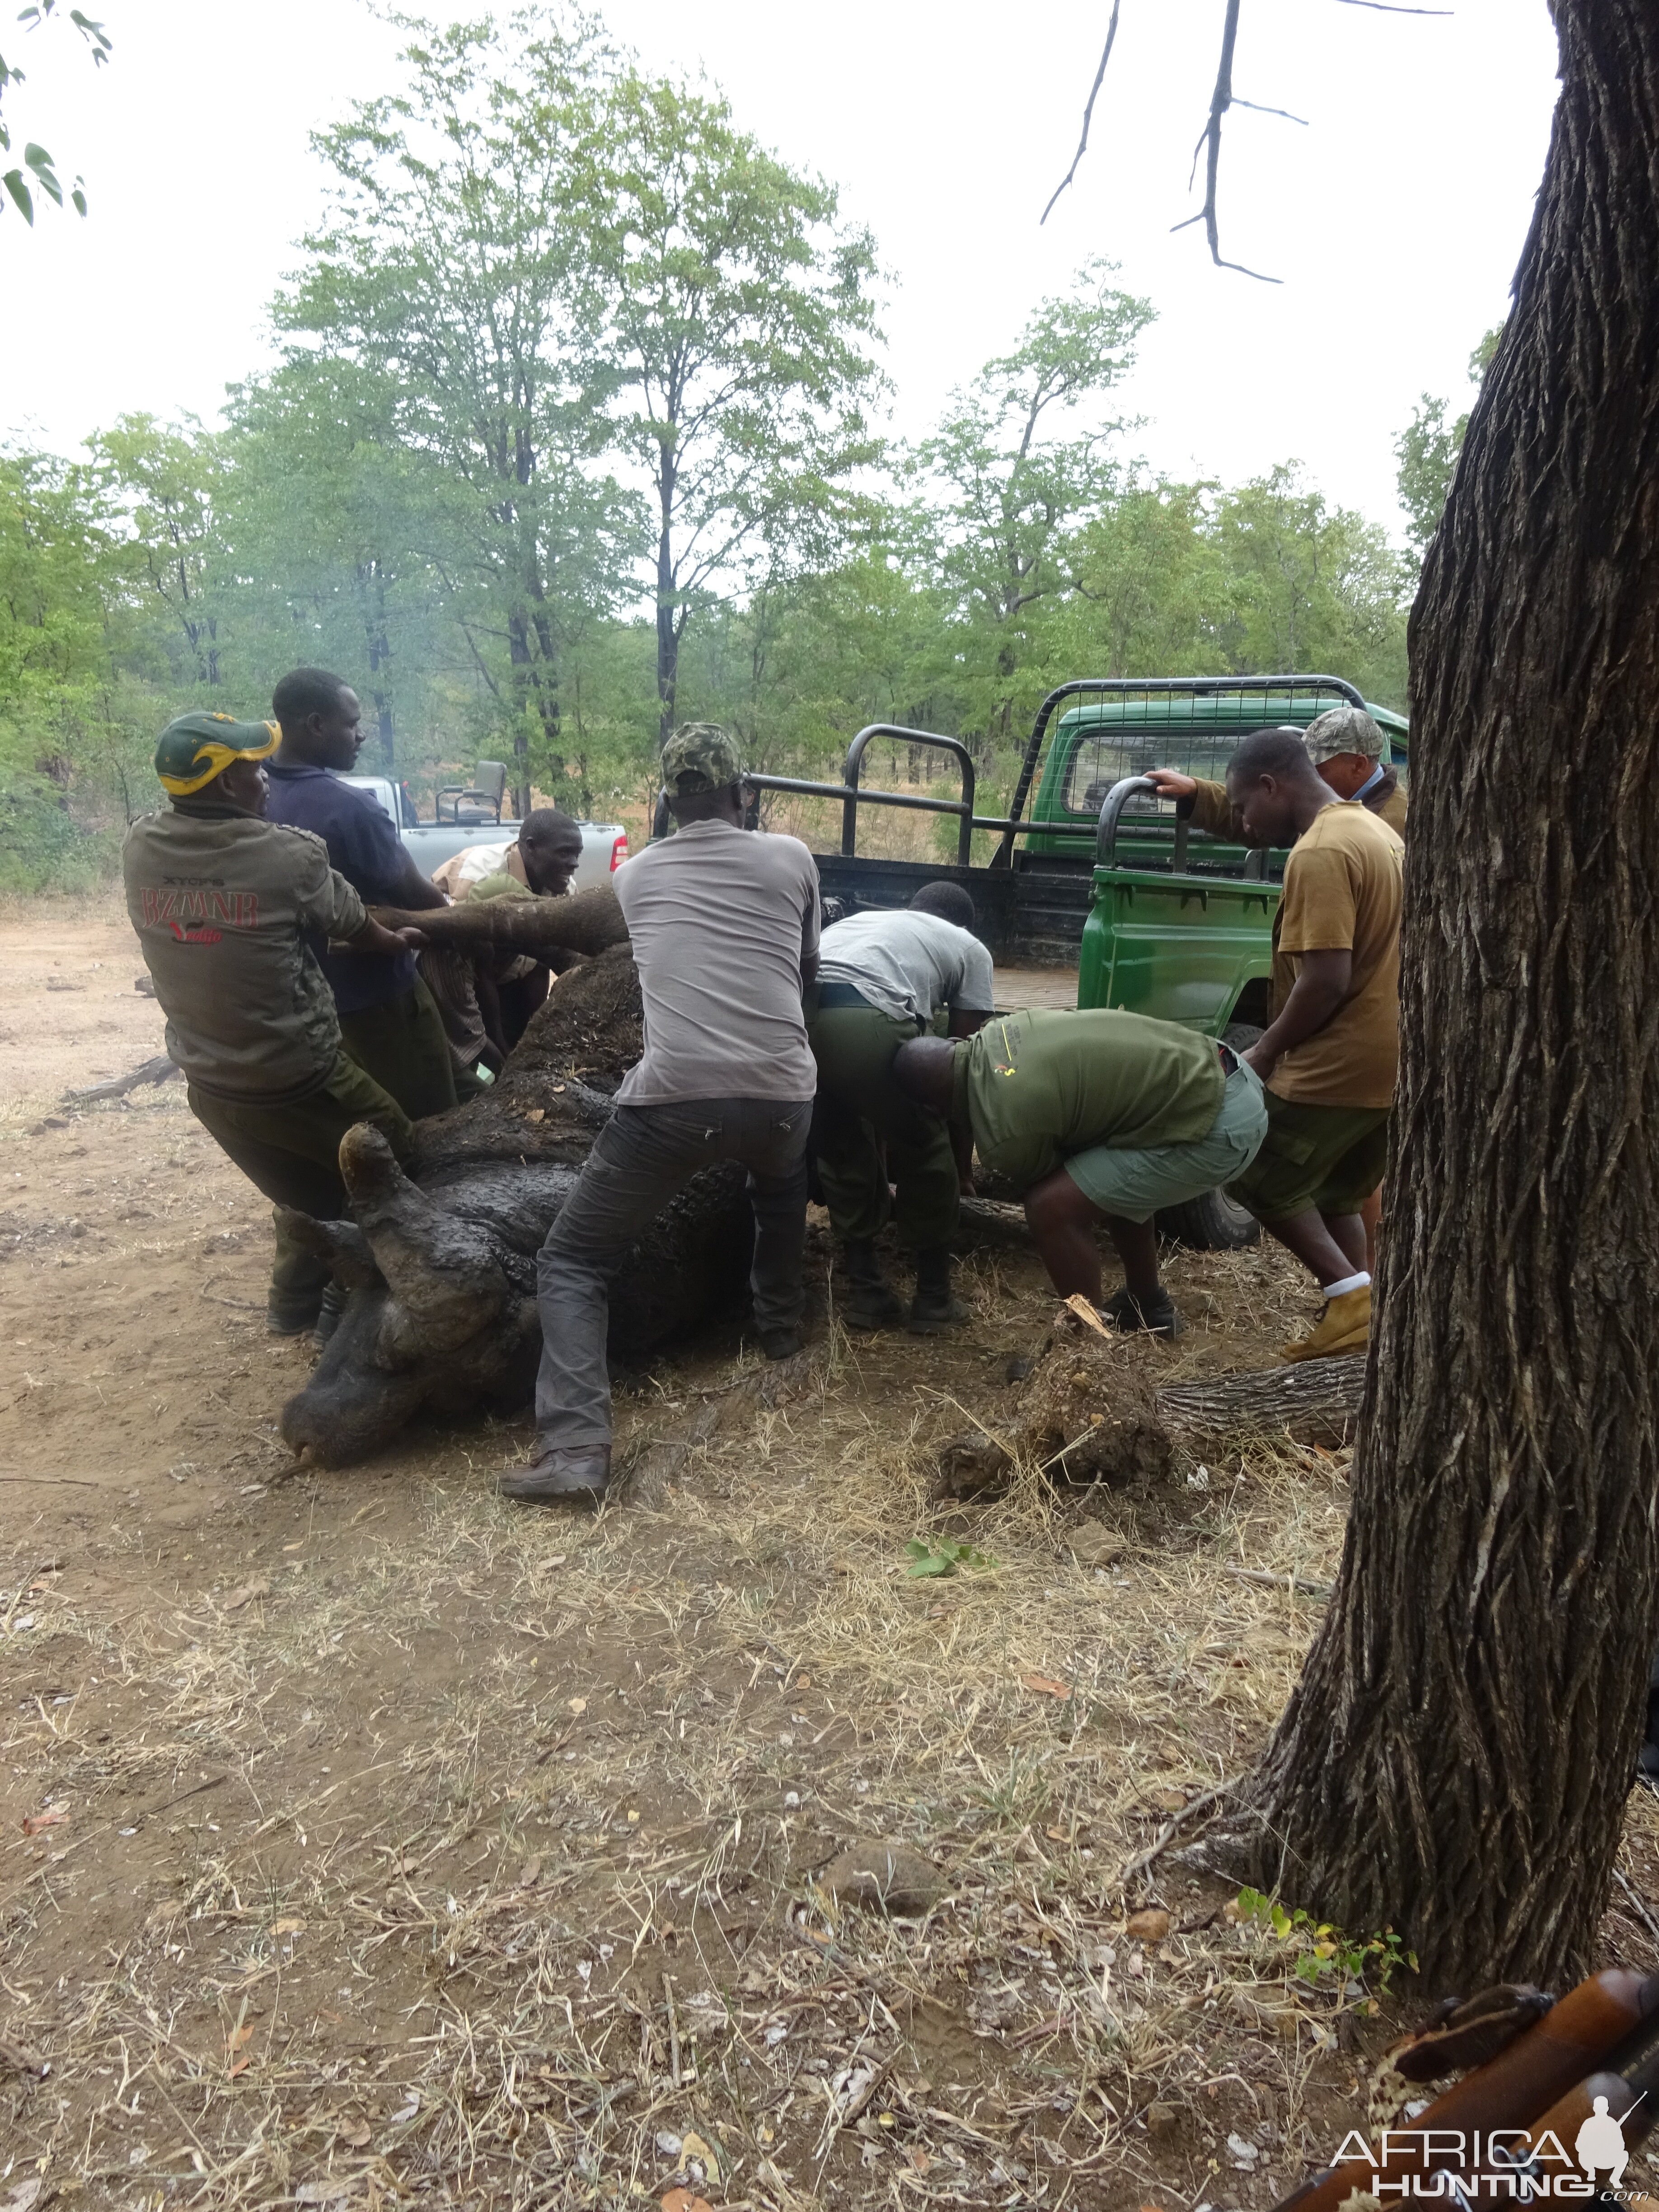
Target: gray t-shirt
{"type": "Point", "coordinates": [720, 920]}
{"type": "Point", "coordinates": [909, 965]}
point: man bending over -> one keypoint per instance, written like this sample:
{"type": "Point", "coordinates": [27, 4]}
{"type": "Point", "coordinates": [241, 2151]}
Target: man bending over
{"type": "Point", "coordinates": [882, 978]}
{"type": "Point", "coordinates": [1097, 1119]}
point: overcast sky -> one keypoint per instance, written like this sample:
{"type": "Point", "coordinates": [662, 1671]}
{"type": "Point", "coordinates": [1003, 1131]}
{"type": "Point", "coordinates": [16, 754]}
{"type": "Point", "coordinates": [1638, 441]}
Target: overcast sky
{"type": "Point", "coordinates": [1394, 218]}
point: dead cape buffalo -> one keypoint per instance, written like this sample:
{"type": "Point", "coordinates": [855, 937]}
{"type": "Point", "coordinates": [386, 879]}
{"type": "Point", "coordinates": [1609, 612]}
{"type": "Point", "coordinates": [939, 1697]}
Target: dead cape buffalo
{"type": "Point", "coordinates": [440, 1262]}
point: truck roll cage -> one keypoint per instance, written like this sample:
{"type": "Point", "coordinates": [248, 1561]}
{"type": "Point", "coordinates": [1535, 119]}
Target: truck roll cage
{"type": "Point", "coordinates": [1125, 687]}
{"type": "Point", "coordinates": [853, 795]}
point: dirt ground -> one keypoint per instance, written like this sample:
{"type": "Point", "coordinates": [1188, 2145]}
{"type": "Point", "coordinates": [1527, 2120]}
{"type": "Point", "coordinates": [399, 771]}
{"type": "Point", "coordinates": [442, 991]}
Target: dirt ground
{"type": "Point", "coordinates": [368, 1840]}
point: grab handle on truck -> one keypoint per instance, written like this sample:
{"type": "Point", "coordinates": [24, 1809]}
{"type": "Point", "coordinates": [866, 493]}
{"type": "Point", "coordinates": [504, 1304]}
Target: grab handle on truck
{"type": "Point", "coordinates": [1106, 835]}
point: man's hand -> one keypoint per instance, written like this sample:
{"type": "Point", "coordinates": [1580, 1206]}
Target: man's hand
{"type": "Point", "coordinates": [1171, 783]}
{"type": "Point", "coordinates": [373, 937]}
{"type": "Point", "coordinates": [1260, 1059]}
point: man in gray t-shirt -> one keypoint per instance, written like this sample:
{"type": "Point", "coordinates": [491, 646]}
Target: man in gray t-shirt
{"type": "Point", "coordinates": [725, 928]}
{"type": "Point", "coordinates": [883, 977]}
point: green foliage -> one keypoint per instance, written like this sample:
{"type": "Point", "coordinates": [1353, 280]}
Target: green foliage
{"type": "Point", "coordinates": [1426, 451]}
{"type": "Point", "coordinates": [38, 167]}
{"type": "Point", "coordinates": [1321, 1955]}
{"type": "Point", "coordinates": [732, 318]}
{"type": "Point", "coordinates": [70, 710]}
{"type": "Point", "coordinates": [944, 1555]}
{"type": "Point", "coordinates": [1011, 490]}
{"type": "Point", "coordinates": [570, 438]}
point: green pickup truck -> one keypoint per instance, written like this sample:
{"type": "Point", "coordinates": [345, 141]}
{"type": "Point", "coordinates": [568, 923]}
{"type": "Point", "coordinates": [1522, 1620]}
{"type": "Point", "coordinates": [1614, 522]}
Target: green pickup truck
{"type": "Point", "coordinates": [1101, 873]}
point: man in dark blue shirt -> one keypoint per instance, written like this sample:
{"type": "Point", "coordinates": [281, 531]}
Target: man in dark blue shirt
{"type": "Point", "coordinates": [389, 1021]}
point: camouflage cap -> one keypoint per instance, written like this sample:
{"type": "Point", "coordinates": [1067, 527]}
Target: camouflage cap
{"type": "Point", "coordinates": [195, 748]}
{"type": "Point", "coordinates": [1344, 730]}
{"type": "Point", "coordinates": [700, 756]}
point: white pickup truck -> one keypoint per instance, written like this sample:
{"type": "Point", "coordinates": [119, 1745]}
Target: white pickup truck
{"type": "Point", "coordinates": [605, 844]}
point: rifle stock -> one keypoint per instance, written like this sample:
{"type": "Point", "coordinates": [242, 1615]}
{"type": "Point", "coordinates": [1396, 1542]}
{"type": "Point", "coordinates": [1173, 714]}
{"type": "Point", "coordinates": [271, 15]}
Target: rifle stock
{"type": "Point", "coordinates": [1628, 2077]}
{"type": "Point", "coordinates": [1587, 2032]}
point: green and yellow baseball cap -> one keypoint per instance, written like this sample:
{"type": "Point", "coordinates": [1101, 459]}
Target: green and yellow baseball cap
{"type": "Point", "coordinates": [195, 748]}
{"type": "Point", "coordinates": [700, 756]}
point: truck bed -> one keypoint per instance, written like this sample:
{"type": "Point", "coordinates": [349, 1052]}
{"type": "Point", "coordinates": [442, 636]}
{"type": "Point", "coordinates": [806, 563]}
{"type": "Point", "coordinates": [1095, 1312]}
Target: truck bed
{"type": "Point", "coordinates": [1029, 916]}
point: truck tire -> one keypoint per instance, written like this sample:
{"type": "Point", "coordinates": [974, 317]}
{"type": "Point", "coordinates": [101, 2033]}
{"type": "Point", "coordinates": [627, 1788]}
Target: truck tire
{"type": "Point", "coordinates": [1215, 1222]}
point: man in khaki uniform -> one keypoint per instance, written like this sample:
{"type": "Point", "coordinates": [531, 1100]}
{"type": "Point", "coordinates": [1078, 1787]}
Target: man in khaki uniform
{"type": "Point", "coordinates": [1098, 1119]}
{"type": "Point", "coordinates": [1347, 747]}
{"type": "Point", "coordinates": [1330, 1053]}
{"type": "Point", "coordinates": [223, 902]}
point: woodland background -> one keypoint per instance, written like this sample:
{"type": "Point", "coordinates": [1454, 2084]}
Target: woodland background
{"type": "Point", "coordinates": [576, 431]}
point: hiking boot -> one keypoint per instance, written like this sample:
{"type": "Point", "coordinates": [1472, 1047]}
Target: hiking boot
{"type": "Point", "coordinates": [1344, 1326]}
{"type": "Point", "coordinates": [1156, 1313]}
{"type": "Point", "coordinates": [329, 1313]}
{"type": "Point", "coordinates": [552, 1475]}
{"type": "Point", "coordinates": [932, 1307]}
{"type": "Point", "coordinates": [779, 1343]}
{"type": "Point", "coordinates": [869, 1301]}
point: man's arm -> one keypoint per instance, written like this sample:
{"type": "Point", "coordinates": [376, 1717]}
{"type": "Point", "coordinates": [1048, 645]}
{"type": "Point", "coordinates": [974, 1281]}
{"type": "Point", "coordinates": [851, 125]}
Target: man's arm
{"type": "Point", "coordinates": [372, 937]}
{"type": "Point", "coordinates": [1322, 986]}
{"type": "Point", "coordinates": [1205, 804]}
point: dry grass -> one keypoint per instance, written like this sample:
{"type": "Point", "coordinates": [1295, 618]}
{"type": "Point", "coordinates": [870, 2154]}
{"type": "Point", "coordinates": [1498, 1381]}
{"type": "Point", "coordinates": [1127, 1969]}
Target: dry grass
{"type": "Point", "coordinates": [413, 1847]}
{"type": "Point", "coordinates": [577, 1766]}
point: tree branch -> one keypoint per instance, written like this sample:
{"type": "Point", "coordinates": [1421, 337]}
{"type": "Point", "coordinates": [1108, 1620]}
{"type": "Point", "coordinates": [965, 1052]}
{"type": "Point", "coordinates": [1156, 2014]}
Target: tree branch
{"type": "Point", "coordinates": [1083, 142]}
{"type": "Point", "coordinates": [1220, 100]}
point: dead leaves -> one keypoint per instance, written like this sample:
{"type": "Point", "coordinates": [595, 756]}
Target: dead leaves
{"type": "Point", "coordinates": [244, 1593]}
{"type": "Point", "coordinates": [1150, 1926]}
{"type": "Point", "coordinates": [1046, 1686]}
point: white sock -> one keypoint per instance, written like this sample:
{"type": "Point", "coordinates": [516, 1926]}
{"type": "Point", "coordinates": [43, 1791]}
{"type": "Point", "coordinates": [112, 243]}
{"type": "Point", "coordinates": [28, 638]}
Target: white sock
{"type": "Point", "coordinates": [1362, 1281]}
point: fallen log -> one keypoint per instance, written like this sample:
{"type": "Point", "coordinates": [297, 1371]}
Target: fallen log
{"type": "Point", "coordinates": [582, 922]}
{"type": "Point", "coordinates": [1092, 1411]}
{"type": "Point", "coordinates": [1315, 1402]}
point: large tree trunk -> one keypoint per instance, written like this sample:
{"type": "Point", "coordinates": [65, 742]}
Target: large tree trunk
{"type": "Point", "coordinates": [1456, 1758]}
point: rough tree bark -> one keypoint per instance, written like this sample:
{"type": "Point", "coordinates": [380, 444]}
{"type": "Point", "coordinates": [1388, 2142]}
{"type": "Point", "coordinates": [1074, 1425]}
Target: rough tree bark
{"type": "Point", "coordinates": [1456, 1758]}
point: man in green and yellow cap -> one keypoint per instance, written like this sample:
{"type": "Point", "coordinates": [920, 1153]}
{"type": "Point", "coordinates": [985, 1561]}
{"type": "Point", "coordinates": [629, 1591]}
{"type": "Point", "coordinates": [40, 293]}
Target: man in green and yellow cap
{"type": "Point", "coordinates": [223, 901]}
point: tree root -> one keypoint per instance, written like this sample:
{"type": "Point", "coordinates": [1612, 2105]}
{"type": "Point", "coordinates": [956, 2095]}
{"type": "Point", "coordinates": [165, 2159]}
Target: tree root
{"type": "Point", "coordinates": [1090, 1412]}
{"type": "Point", "coordinates": [160, 1069]}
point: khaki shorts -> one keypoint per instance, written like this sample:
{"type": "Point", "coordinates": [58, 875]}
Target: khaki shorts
{"type": "Point", "coordinates": [1326, 1157]}
{"type": "Point", "coordinates": [1132, 1185]}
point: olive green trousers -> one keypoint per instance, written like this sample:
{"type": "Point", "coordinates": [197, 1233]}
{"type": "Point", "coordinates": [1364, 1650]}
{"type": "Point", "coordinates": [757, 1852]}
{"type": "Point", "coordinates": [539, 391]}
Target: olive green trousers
{"type": "Point", "coordinates": [292, 1153]}
{"type": "Point", "coordinates": [867, 1132]}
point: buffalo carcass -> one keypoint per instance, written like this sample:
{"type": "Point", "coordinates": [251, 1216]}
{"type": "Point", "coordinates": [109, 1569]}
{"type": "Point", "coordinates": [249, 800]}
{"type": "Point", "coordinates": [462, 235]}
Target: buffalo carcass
{"type": "Point", "coordinates": [440, 1262]}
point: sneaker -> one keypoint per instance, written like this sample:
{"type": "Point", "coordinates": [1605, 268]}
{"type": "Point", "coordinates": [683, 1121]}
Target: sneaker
{"type": "Point", "coordinates": [1156, 1314]}
{"type": "Point", "coordinates": [1344, 1326]}
{"type": "Point", "coordinates": [556, 1474]}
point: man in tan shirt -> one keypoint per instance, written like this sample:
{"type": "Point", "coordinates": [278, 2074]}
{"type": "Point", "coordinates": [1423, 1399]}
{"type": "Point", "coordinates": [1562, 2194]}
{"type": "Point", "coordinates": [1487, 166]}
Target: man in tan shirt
{"type": "Point", "coordinates": [1330, 1053]}
{"type": "Point", "coordinates": [1344, 745]}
